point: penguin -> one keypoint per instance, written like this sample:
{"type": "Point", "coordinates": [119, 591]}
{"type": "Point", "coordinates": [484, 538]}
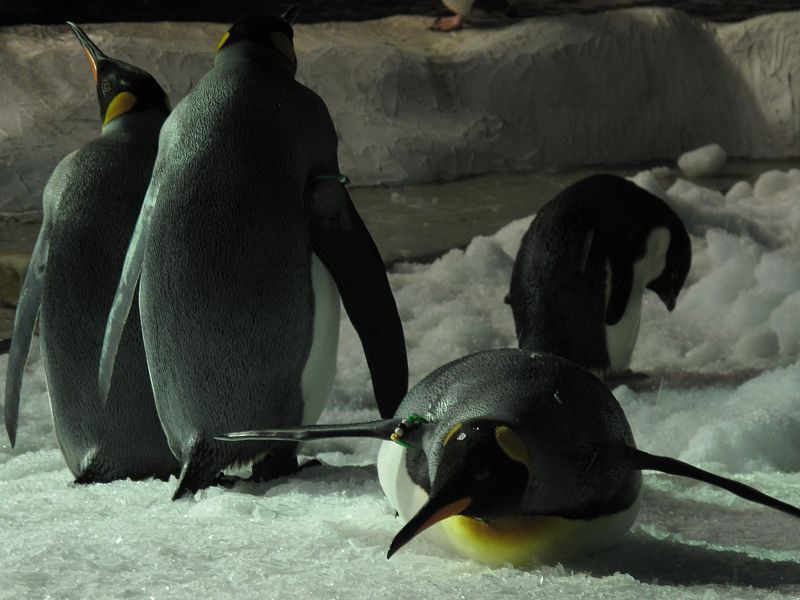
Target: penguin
{"type": "Point", "coordinates": [583, 265]}
{"type": "Point", "coordinates": [245, 243]}
{"type": "Point", "coordinates": [91, 203]}
{"type": "Point", "coordinates": [463, 9]}
{"type": "Point", "coordinates": [506, 456]}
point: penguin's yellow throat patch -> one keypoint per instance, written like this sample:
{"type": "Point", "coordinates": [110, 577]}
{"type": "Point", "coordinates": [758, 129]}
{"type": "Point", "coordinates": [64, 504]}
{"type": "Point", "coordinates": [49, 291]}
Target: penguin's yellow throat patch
{"type": "Point", "coordinates": [122, 103]}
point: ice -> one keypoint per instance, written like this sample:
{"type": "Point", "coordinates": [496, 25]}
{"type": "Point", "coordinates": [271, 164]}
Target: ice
{"type": "Point", "coordinates": [706, 161]}
{"type": "Point", "coordinates": [411, 105]}
{"type": "Point", "coordinates": [324, 533]}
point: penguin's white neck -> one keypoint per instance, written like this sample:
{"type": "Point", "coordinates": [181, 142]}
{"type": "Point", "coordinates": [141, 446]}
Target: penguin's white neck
{"type": "Point", "coordinates": [621, 337]}
{"type": "Point", "coordinates": [246, 51]}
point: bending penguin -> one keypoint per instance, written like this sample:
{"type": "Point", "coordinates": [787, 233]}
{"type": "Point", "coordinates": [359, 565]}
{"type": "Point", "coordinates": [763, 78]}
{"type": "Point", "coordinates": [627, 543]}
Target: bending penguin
{"type": "Point", "coordinates": [504, 456]}
{"type": "Point", "coordinates": [91, 203]}
{"type": "Point", "coordinates": [583, 265]}
{"type": "Point", "coordinates": [246, 239]}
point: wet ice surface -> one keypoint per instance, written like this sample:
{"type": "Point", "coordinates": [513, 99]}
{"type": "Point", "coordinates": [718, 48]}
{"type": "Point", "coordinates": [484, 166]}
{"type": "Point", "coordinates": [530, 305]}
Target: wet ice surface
{"type": "Point", "coordinates": [325, 532]}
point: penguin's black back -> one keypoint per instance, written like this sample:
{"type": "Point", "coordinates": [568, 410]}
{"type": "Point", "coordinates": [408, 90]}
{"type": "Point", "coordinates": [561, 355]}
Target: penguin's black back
{"type": "Point", "coordinates": [226, 282]}
{"type": "Point", "coordinates": [557, 292]}
{"type": "Point", "coordinates": [574, 427]}
{"type": "Point", "coordinates": [92, 202]}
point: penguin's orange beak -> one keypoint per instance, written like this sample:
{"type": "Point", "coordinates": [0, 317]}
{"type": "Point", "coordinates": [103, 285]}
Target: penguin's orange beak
{"type": "Point", "coordinates": [90, 49]}
{"type": "Point", "coordinates": [428, 515]}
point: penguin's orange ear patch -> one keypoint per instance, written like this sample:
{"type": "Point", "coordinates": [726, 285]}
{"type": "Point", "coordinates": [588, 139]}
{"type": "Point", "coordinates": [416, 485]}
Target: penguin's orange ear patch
{"type": "Point", "coordinates": [284, 44]}
{"type": "Point", "coordinates": [513, 446]}
{"type": "Point", "coordinates": [224, 39]}
{"type": "Point", "coordinates": [122, 103]}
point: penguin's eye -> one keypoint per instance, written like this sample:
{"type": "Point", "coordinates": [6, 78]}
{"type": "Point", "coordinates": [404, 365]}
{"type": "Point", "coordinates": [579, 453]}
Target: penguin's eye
{"type": "Point", "coordinates": [105, 87]}
{"type": "Point", "coordinates": [673, 275]}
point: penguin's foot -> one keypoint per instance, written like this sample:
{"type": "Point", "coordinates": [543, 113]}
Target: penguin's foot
{"type": "Point", "coordinates": [625, 377]}
{"type": "Point", "coordinates": [227, 481]}
{"type": "Point", "coordinates": [278, 462]}
{"type": "Point", "coordinates": [451, 23]}
{"type": "Point", "coordinates": [314, 462]}
{"type": "Point", "coordinates": [91, 475]}
{"type": "Point", "coordinates": [198, 472]}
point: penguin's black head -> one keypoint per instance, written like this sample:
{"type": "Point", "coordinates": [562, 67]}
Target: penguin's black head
{"type": "Point", "coordinates": [273, 33]}
{"type": "Point", "coordinates": [676, 267]}
{"type": "Point", "coordinates": [483, 473]}
{"type": "Point", "coordinates": [121, 88]}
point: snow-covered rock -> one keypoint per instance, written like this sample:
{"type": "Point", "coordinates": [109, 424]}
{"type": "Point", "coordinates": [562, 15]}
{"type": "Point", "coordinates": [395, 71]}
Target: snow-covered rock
{"type": "Point", "coordinates": [411, 105]}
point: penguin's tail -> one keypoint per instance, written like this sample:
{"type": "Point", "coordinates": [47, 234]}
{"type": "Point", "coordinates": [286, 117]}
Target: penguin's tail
{"type": "Point", "coordinates": [649, 462]}
{"type": "Point", "coordinates": [381, 429]}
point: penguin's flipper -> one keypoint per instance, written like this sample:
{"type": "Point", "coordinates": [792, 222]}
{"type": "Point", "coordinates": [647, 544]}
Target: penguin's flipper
{"type": "Point", "coordinates": [648, 462]}
{"type": "Point", "coordinates": [341, 240]}
{"type": "Point", "coordinates": [381, 429]}
{"type": "Point", "coordinates": [620, 292]}
{"type": "Point", "coordinates": [24, 323]}
{"type": "Point", "coordinates": [123, 299]}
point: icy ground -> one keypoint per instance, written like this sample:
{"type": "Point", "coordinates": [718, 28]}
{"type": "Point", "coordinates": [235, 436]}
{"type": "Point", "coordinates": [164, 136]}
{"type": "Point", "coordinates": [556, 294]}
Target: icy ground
{"type": "Point", "coordinates": [324, 533]}
{"type": "Point", "coordinates": [411, 105]}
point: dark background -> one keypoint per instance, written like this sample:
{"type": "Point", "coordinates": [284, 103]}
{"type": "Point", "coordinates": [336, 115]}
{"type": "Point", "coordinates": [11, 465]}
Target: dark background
{"type": "Point", "coordinates": [14, 12]}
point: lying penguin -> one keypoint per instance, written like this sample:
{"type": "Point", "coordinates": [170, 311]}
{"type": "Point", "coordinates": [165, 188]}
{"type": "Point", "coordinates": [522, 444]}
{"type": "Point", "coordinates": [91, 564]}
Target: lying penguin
{"type": "Point", "coordinates": [583, 265]}
{"type": "Point", "coordinates": [90, 207]}
{"type": "Point", "coordinates": [246, 240]}
{"type": "Point", "coordinates": [504, 456]}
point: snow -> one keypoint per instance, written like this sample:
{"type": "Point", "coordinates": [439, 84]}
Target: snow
{"type": "Point", "coordinates": [324, 533]}
{"type": "Point", "coordinates": [705, 161]}
{"type": "Point", "coordinates": [411, 105]}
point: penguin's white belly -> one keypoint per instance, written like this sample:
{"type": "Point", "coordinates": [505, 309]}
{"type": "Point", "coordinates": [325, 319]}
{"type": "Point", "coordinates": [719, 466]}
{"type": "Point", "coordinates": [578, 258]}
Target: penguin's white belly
{"type": "Point", "coordinates": [621, 337]}
{"type": "Point", "coordinates": [319, 371]}
{"type": "Point", "coordinates": [515, 540]}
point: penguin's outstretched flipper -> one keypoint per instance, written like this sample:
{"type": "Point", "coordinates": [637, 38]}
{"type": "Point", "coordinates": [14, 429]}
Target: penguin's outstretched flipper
{"type": "Point", "coordinates": [343, 243]}
{"type": "Point", "coordinates": [381, 429]}
{"type": "Point", "coordinates": [123, 299]}
{"type": "Point", "coordinates": [648, 462]}
{"type": "Point", "coordinates": [24, 322]}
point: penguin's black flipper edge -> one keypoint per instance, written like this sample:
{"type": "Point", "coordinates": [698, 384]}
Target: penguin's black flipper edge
{"type": "Point", "coordinates": [620, 293]}
{"type": "Point", "coordinates": [24, 323]}
{"type": "Point", "coordinates": [649, 462]}
{"type": "Point", "coordinates": [380, 429]}
{"type": "Point", "coordinates": [123, 298]}
{"type": "Point", "coordinates": [342, 242]}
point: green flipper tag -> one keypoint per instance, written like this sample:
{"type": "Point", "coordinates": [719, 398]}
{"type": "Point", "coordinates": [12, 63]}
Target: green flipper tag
{"type": "Point", "coordinates": [409, 422]}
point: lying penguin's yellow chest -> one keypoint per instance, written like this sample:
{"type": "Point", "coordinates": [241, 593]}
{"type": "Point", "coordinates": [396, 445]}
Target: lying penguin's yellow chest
{"type": "Point", "coordinates": [522, 541]}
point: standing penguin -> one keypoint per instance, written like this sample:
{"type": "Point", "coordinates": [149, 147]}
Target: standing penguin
{"type": "Point", "coordinates": [463, 9]}
{"type": "Point", "coordinates": [90, 207]}
{"type": "Point", "coordinates": [583, 265]}
{"type": "Point", "coordinates": [245, 234]}
{"type": "Point", "coordinates": [530, 454]}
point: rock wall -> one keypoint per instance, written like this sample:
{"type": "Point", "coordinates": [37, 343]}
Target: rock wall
{"type": "Point", "coordinates": [411, 105]}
